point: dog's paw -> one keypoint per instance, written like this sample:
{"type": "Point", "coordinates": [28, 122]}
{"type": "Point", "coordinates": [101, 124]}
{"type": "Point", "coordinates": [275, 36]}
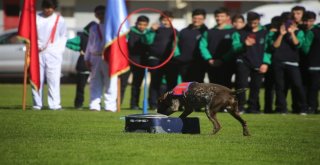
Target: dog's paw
{"type": "Point", "coordinates": [215, 131]}
{"type": "Point", "coordinates": [246, 132]}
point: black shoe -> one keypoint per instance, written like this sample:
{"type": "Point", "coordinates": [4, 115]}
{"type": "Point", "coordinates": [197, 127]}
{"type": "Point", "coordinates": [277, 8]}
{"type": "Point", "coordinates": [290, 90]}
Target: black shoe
{"type": "Point", "coordinates": [268, 111]}
{"type": "Point", "coordinates": [256, 112]}
{"type": "Point", "coordinates": [252, 111]}
{"type": "Point", "coordinates": [281, 111]}
{"type": "Point", "coordinates": [78, 107]}
{"type": "Point", "coordinates": [311, 111]}
{"type": "Point", "coordinates": [135, 108]}
{"type": "Point", "coordinates": [153, 107]}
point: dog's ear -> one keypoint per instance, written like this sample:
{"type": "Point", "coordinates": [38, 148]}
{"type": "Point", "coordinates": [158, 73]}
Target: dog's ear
{"type": "Point", "coordinates": [161, 98]}
{"type": "Point", "coordinates": [164, 96]}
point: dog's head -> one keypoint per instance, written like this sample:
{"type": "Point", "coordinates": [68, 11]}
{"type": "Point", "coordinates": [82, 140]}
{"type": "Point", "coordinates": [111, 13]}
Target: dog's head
{"type": "Point", "coordinates": [168, 104]}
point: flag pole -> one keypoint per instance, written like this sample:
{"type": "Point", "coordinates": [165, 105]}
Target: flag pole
{"type": "Point", "coordinates": [119, 95]}
{"type": "Point", "coordinates": [25, 76]}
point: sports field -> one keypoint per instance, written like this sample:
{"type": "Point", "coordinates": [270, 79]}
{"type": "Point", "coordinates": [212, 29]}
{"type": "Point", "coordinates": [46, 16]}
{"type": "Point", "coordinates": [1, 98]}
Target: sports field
{"type": "Point", "coordinates": [82, 137]}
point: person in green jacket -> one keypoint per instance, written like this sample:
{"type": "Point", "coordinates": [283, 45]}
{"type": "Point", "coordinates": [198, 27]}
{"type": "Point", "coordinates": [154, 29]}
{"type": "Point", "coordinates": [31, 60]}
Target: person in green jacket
{"type": "Point", "coordinates": [311, 65]}
{"type": "Point", "coordinates": [285, 62]}
{"type": "Point", "coordinates": [138, 52]}
{"type": "Point", "coordinates": [79, 43]}
{"type": "Point", "coordinates": [216, 49]}
{"type": "Point", "coordinates": [251, 61]}
{"type": "Point", "coordinates": [161, 43]}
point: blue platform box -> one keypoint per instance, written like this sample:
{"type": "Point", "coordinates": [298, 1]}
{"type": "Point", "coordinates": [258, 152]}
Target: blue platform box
{"type": "Point", "coordinates": [157, 123]}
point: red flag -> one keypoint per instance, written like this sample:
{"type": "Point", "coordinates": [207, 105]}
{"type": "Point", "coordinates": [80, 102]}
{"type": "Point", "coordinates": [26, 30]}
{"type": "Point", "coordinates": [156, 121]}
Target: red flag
{"type": "Point", "coordinates": [116, 13]}
{"type": "Point", "coordinates": [28, 31]}
{"type": "Point", "coordinates": [113, 55]}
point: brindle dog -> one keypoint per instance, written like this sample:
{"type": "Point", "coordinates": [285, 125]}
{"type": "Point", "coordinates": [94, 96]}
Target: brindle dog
{"type": "Point", "coordinates": [213, 97]}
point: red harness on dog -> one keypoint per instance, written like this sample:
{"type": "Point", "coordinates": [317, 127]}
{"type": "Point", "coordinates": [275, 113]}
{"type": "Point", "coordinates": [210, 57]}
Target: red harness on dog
{"type": "Point", "coordinates": [181, 89]}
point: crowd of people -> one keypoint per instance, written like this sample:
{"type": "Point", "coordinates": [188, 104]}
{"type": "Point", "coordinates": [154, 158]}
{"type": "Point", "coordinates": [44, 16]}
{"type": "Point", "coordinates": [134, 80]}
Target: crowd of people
{"type": "Point", "coordinates": [283, 55]}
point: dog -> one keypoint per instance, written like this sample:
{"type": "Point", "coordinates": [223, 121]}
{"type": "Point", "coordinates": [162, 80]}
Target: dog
{"type": "Point", "coordinates": [213, 97]}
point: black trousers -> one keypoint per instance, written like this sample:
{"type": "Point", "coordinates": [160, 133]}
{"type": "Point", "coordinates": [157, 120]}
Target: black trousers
{"type": "Point", "coordinates": [222, 74]}
{"type": "Point", "coordinates": [269, 91]}
{"type": "Point", "coordinates": [124, 83]}
{"type": "Point", "coordinates": [313, 89]}
{"type": "Point", "coordinates": [184, 69]}
{"type": "Point", "coordinates": [169, 72]}
{"type": "Point", "coordinates": [243, 72]}
{"type": "Point", "coordinates": [295, 107]}
{"type": "Point", "coordinates": [137, 78]}
{"type": "Point", "coordinates": [81, 82]}
{"type": "Point", "coordinates": [292, 74]}
{"type": "Point", "coordinates": [196, 71]}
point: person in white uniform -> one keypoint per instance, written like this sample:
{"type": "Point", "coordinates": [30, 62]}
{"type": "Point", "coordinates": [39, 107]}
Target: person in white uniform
{"type": "Point", "coordinates": [101, 84]}
{"type": "Point", "coordinates": [52, 37]}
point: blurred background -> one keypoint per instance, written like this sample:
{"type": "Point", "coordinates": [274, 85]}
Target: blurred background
{"type": "Point", "coordinates": [79, 13]}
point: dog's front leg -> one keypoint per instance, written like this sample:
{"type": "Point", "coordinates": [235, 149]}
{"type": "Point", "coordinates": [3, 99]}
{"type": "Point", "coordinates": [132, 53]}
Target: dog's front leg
{"type": "Point", "coordinates": [187, 111]}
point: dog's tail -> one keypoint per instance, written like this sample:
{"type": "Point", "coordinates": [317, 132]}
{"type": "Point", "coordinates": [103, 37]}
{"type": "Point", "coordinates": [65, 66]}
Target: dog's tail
{"type": "Point", "coordinates": [238, 91]}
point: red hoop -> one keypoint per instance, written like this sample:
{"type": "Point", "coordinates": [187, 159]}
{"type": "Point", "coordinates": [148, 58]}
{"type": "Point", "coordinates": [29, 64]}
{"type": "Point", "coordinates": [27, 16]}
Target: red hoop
{"type": "Point", "coordinates": [174, 39]}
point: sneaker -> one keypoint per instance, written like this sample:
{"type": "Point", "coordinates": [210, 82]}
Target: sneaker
{"type": "Point", "coordinates": [37, 108]}
{"type": "Point", "coordinates": [56, 109]}
{"type": "Point", "coordinates": [107, 110]}
{"type": "Point", "coordinates": [303, 114]}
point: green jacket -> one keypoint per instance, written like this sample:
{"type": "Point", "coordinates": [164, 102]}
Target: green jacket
{"type": "Point", "coordinates": [300, 36]}
{"type": "Point", "coordinates": [308, 39]}
{"type": "Point", "coordinates": [74, 43]}
{"type": "Point", "coordinates": [203, 45]}
{"type": "Point", "coordinates": [271, 38]}
{"type": "Point", "coordinates": [151, 35]}
{"type": "Point", "coordinates": [147, 35]}
{"type": "Point", "coordinates": [239, 46]}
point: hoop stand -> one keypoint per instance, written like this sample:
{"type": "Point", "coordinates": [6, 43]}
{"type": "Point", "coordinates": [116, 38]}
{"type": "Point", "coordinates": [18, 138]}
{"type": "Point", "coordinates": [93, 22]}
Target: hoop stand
{"type": "Point", "coordinates": [145, 95]}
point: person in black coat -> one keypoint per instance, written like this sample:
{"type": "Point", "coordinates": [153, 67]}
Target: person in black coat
{"type": "Point", "coordinates": [311, 68]}
{"type": "Point", "coordinates": [189, 62]}
{"type": "Point", "coordinates": [285, 63]}
{"type": "Point", "coordinates": [216, 49]}
{"type": "Point", "coordinates": [80, 44]}
{"type": "Point", "coordinates": [160, 48]}
{"type": "Point", "coordinates": [252, 61]}
{"type": "Point", "coordinates": [138, 50]}
{"type": "Point", "coordinates": [269, 83]}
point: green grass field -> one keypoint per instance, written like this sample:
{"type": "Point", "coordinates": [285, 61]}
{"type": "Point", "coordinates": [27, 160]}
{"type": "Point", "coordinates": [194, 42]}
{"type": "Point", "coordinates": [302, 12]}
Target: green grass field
{"type": "Point", "coordinates": [82, 137]}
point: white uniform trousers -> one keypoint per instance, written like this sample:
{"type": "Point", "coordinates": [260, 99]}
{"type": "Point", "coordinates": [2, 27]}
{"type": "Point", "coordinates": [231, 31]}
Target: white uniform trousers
{"type": "Point", "coordinates": [50, 68]}
{"type": "Point", "coordinates": [102, 84]}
